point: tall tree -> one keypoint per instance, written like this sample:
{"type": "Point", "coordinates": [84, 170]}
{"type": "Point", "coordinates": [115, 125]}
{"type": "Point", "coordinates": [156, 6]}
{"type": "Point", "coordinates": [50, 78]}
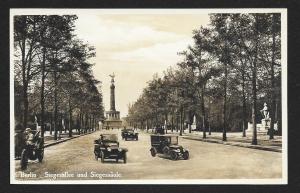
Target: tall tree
{"type": "Point", "coordinates": [221, 37]}
{"type": "Point", "coordinates": [25, 44]}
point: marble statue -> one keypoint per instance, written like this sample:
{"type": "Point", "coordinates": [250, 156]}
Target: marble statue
{"type": "Point", "coordinates": [265, 111]}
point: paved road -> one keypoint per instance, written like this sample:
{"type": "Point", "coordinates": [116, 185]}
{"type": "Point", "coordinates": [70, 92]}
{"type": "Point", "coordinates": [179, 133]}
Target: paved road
{"type": "Point", "coordinates": [207, 161]}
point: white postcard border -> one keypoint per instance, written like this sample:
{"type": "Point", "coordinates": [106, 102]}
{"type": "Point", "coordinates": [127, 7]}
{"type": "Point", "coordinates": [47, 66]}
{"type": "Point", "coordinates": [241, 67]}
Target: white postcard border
{"type": "Point", "coordinates": [42, 11]}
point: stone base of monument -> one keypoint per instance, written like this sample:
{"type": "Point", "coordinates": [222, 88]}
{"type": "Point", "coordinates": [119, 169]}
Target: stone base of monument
{"type": "Point", "coordinates": [261, 129]}
{"type": "Point", "coordinates": [112, 124]}
{"type": "Point", "coordinates": [193, 126]}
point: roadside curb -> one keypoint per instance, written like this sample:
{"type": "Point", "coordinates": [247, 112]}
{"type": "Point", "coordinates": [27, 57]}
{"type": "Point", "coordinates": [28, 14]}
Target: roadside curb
{"type": "Point", "coordinates": [64, 140]}
{"type": "Point", "coordinates": [265, 148]}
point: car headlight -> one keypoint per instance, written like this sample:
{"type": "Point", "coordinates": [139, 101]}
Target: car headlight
{"type": "Point", "coordinates": [119, 149]}
{"type": "Point", "coordinates": [108, 149]}
{"type": "Point", "coordinates": [177, 150]}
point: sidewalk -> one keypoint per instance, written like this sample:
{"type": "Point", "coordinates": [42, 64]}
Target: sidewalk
{"type": "Point", "coordinates": [49, 139]}
{"type": "Point", "coordinates": [235, 139]}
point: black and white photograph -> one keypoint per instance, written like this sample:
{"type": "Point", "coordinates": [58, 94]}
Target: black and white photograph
{"type": "Point", "coordinates": [148, 96]}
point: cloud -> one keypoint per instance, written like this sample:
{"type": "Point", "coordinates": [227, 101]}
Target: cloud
{"type": "Point", "coordinates": [160, 54]}
{"type": "Point", "coordinates": [109, 35]}
{"type": "Point", "coordinates": [134, 47]}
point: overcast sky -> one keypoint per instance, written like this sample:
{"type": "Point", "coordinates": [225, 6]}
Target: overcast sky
{"type": "Point", "coordinates": [134, 47]}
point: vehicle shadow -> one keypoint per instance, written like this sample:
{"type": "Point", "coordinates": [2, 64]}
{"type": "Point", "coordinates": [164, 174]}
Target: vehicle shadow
{"type": "Point", "coordinates": [169, 158]}
{"type": "Point", "coordinates": [111, 161]}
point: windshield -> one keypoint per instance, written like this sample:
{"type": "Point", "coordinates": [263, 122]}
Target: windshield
{"type": "Point", "coordinates": [110, 143]}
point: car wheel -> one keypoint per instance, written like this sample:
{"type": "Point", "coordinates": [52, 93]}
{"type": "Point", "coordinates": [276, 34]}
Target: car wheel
{"type": "Point", "coordinates": [166, 150]}
{"type": "Point", "coordinates": [24, 160]}
{"type": "Point", "coordinates": [40, 155]}
{"type": "Point", "coordinates": [137, 138]}
{"type": "Point", "coordinates": [125, 158]}
{"type": "Point", "coordinates": [117, 160]}
{"type": "Point", "coordinates": [186, 155]}
{"type": "Point", "coordinates": [102, 157]}
{"type": "Point", "coordinates": [125, 138]}
{"type": "Point", "coordinates": [173, 155]}
{"type": "Point", "coordinates": [153, 151]}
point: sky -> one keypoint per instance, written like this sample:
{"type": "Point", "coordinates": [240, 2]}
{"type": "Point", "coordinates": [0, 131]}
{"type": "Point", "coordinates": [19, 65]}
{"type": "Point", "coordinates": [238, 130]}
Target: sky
{"type": "Point", "coordinates": [135, 47]}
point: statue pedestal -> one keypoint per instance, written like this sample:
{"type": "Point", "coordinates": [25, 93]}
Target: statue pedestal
{"type": "Point", "coordinates": [113, 120]}
{"type": "Point", "coordinates": [193, 126]}
{"type": "Point", "coordinates": [265, 124]}
{"type": "Point", "coordinates": [263, 127]}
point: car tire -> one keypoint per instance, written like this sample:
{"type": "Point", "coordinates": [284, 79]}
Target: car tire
{"type": "Point", "coordinates": [137, 138]}
{"type": "Point", "coordinates": [153, 151]}
{"type": "Point", "coordinates": [173, 155]}
{"type": "Point", "coordinates": [125, 158]}
{"type": "Point", "coordinates": [125, 138]}
{"type": "Point", "coordinates": [40, 155]}
{"type": "Point", "coordinates": [186, 155]}
{"type": "Point", "coordinates": [117, 160]}
{"type": "Point", "coordinates": [166, 150]}
{"type": "Point", "coordinates": [24, 159]}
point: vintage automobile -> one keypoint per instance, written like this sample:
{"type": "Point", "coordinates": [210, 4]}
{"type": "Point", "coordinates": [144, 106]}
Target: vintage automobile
{"type": "Point", "coordinates": [168, 145]}
{"type": "Point", "coordinates": [107, 147]}
{"type": "Point", "coordinates": [34, 151]}
{"type": "Point", "coordinates": [129, 134]}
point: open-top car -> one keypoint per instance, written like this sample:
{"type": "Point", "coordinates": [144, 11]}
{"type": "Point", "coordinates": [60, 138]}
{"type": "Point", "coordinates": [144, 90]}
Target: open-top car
{"type": "Point", "coordinates": [168, 145]}
{"type": "Point", "coordinates": [129, 134]}
{"type": "Point", "coordinates": [33, 150]}
{"type": "Point", "coordinates": [107, 147]}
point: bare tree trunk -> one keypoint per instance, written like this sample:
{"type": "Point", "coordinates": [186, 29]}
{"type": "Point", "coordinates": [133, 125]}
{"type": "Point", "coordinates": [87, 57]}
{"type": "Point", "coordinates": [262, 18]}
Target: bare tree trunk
{"type": "Point", "coordinates": [25, 101]}
{"type": "Point", "coordinates": [273, 97]}
{"type": "Point", "coordinates": [254, 137]}
{"type": "Point", "coordinates": [86, 123]}
{"type": "Point", "coordinates": [203, 111]}
{"type": "Point", "coordinates": [42, 93]}
{"type": "Point", "coordinates": [172, 122]}
{"type": "Point", "coordinates": [225, 105]}
{"type": "Point", "coordinates": [70, 119]}
{"type": "Point", "coordinates": [80, 123]}
{"type": "Point", "coordinates": [244, 105]}
{"type": "Point", "coordinates": [177, 123]}
{"type": "Point", "coordinates": [24, 78]}
{"type": "Point", "coordinates": [60, 123]}
{"type": "Point", "coordinates": [55, 106]}
{"type": "Point", "coordinates": [180, 123]}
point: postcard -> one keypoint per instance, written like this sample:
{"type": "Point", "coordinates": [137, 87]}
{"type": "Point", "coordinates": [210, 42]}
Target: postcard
{"type": "Point", "coordinates": [148, 96]}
